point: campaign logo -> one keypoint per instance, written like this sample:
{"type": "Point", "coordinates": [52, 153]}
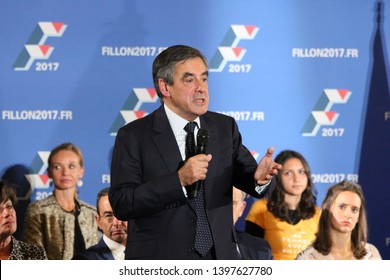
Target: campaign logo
{"type": "Point", "coordinates": [35, 48]}
{"type": "Point", "coordinates": [255, 155]}
{"type": "Point", "coordinates": [228, 50]}
{"type": "Point", "coordinates": [131, 109]}
{"type": "Point", "coordinates": [322, 114]}
{"type": "Point", "coordinates": [38, 177]}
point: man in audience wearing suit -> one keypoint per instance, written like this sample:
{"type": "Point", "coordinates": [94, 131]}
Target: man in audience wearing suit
{"type": "Point", "coordinates": [249, 246]}
{"type": "Point", "coordinates": [112, 244]}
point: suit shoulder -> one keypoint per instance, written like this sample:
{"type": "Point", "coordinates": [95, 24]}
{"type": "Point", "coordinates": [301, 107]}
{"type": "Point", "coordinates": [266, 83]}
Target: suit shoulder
{"type": "Point", "coordinates": [98, 251]}
{"type": "Point", "coordinates": [88, 254]}
{"type": "Point", "coordinates": [220, 121]}
{"type": "Point", "coordinates": [252, 240]}
{"type": "Point", "coordinates": [219, 117]}
{"type": "Point", "coordinates": [138, 124]}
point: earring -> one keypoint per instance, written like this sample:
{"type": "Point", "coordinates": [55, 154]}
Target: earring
{"type": "Point", "coordinates": [80, 183]}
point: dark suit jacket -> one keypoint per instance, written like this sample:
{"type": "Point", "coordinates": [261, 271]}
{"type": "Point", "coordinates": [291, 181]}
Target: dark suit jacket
{"type": "Point", "coordinates": [146, 190]}
{"type": "Point", "coordinates": [99, 251]}
{"type": "Point", "coordinates": [253, 248]}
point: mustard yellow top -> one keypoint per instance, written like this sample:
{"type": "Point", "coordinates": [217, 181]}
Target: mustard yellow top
{"type": "Point", "coordinates": [286, 240]}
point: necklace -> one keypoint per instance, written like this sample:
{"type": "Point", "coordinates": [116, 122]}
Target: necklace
{"type": "Point", "coordinates": [293, 217]}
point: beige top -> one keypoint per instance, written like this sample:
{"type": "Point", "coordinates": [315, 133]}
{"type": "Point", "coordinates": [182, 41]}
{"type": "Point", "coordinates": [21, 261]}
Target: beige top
{"type": "Point", "coordinates": [48, 225]}
{"type": "Point", "coordinates": [312, 254]}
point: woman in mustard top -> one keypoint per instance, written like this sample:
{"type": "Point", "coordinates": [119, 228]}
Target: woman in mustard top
{"type": "Point", "coordinates": [288, 220]}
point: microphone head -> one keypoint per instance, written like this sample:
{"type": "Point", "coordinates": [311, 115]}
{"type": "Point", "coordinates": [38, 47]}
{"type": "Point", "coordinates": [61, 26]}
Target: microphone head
{"type": "Point", "coordinates": [202, 137]}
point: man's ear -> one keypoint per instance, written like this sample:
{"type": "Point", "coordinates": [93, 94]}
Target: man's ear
{"type": "Point", "coordinates": [243, 206]}
{"type": "Point", "coordinates": [163, 86]}
{"type": "Point", "coordinates": [97, 218]}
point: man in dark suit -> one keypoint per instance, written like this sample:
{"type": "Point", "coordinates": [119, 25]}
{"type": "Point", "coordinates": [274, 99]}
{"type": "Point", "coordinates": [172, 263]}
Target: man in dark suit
{"type": "Point", "coordinates": [153, 179]}
{"type": "Point", "coordinates": [112, 244]}
{"type": "Point", "coordinates": [249, 246]}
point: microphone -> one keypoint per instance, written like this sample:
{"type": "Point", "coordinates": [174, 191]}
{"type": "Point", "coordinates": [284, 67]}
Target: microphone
{"type": "Point", "coordinates": [202, 139]}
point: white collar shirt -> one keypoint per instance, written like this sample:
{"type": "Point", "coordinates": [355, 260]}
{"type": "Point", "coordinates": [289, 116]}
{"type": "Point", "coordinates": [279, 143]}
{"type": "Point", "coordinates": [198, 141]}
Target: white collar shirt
{"type": "Point", "coordinates": [117, 249]}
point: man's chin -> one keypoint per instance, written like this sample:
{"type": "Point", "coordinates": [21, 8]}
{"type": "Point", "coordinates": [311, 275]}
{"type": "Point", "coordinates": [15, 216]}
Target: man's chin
{"type": "Point", "coordinates": [118, 237]}
{"type": "Point", "coordinates": [201, 111]}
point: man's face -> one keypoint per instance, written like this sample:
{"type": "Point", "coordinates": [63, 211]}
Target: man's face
{"type": "Point", "coordinates": [112, 227]}
{"type": "Point", "coordinates": [188, 96]}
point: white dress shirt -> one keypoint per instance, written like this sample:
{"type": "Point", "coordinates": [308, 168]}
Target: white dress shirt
{"type": "Point", "coordinates": [117, 249]}
{"type": "Point", "coordinates": [177, 124]}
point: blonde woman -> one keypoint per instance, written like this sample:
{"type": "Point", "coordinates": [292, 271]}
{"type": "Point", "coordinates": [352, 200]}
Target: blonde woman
{"type": "Point", "coordinates": [62, 223]}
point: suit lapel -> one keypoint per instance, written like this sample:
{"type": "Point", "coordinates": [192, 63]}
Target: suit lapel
{"type": "Point", "coordinates": [166, 144]}
{"type": "Point", "coordinates": [106, 252]}
{"type": "Point", "coordinates": [165, 141]}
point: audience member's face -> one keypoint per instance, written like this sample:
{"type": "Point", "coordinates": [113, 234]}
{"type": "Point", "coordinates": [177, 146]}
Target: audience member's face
{"type": "Point", "coordinates": [112, 227]}
{"type": "Point", "coordinates": [188, 96]}
{"type": "Point", "coordinates": [238, 205]}
{"type": "Point", "coordinates": [7, 219]}
{"type": "Point", "coordinates": [345, 211]}
{"type": "Point", "coordinates": [294, 178]}
{"type": "Point", "coordinates": [65, 170]}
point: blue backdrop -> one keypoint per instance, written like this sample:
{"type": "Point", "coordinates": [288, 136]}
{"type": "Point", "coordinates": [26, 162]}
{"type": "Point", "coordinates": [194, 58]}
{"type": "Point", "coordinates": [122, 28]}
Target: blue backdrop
{"type": "Point", "coordinates": [305, 75]}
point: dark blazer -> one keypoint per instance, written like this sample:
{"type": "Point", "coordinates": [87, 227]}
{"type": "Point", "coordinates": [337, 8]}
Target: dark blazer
{"type": "Point", "coordinates": [253, 248]}
{"type": "Point", "coordinates": [99, 251]}
{"type": "Point", "coordinates": [146, 190]}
